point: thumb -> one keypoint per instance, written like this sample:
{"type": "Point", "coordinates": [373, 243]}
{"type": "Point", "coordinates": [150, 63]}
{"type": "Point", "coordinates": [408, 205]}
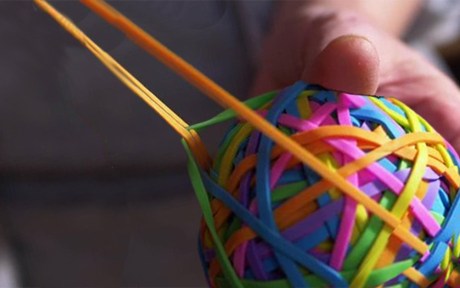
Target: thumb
{"type": "Point", "coordinates": [348, 63]}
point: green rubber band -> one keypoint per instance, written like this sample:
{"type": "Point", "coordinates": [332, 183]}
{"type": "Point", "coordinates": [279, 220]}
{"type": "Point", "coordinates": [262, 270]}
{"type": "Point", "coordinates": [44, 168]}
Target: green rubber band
{"type": "Point", "coordinates": [204, 201]}
{"type": "Point", "coordinates": [253, 103]}
{"type": "Point", "coordinates": [367, 237]}
{"type": "Point", "coordinates": [287, 191]}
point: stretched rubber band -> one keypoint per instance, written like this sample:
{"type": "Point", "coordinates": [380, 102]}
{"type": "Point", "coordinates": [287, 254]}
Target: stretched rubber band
{"type": "Point", "coordinates": [348, 205]}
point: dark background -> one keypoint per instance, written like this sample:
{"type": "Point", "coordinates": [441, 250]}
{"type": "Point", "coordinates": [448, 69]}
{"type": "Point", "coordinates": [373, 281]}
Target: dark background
{"type": "Point", "coordinates": [93, 188]}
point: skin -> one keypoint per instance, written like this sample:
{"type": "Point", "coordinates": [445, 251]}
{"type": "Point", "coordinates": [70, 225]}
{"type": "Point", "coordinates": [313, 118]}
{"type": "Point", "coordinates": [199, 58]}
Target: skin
{"type": "Point", "coordinates": [354, 46]}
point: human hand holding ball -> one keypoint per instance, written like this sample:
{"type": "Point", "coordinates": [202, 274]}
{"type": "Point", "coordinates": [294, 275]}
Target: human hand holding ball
{"type": "Point", "coordinates": [343, 46]}
{"type": "Point", "coordinates": [373, 201]}
{"type": "Point", "coordinates": [293, 229]}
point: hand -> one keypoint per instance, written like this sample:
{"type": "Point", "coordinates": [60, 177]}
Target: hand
{"type": "Point", "coordinates": [342, 50]}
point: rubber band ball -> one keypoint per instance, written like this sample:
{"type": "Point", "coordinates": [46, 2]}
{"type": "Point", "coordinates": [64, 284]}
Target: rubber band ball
{"type": "Point", "coordinates": [270, 220]}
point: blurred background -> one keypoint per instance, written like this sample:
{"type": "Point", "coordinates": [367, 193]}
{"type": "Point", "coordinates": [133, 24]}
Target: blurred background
{"type": "Point", "coordinates": [94, 190]}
